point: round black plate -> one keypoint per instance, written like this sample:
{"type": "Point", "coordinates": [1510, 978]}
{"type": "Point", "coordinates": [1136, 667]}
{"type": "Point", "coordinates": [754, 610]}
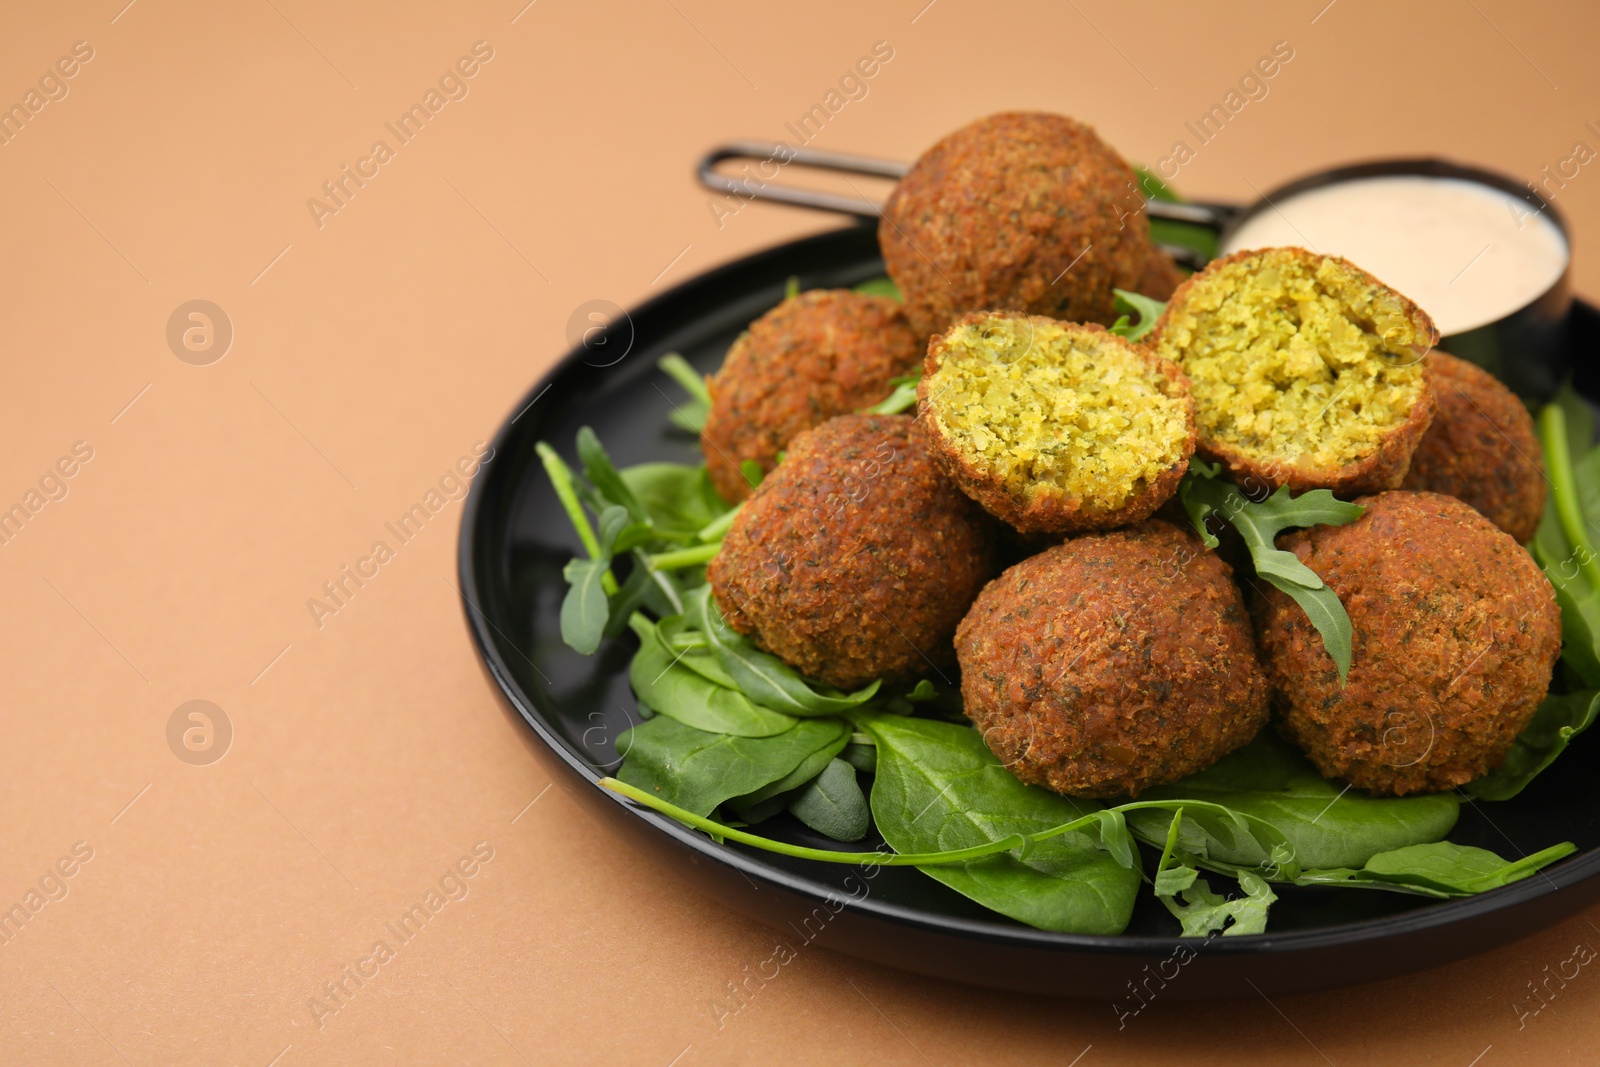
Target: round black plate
{"type": "Point", "coordinates": [515, 539]}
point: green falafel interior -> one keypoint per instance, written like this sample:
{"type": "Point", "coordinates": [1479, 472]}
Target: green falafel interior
{"type": "Point", "coordinates": [1297, 359]}
{"type": "Point", "coordinates": [1044, 407]}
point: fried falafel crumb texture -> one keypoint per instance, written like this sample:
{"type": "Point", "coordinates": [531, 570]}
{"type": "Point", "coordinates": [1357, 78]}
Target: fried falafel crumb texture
{"type": "Point", "coordinates": [1294, 357]}
{"type": "Point", "coordinates": [1050, 408]}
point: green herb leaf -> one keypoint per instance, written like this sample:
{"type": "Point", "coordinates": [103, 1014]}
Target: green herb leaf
{"type": "Point", "coordinates": [1322, 824]}
{"type": "Point", "coordinates": [792, 288]}
{"type": "Point", "coordinates": [696, 770]}
{"type": "Point", "coordinates": [667, 683]}
{"type": "Point", "coordinates": [1148, 310]}
{"type": "Point", "coordinates": [833, 804]}
{"type": "Point", "coordinates": [939, 787]}
{"type": "Point", "coordinates": [584, 609]}
{"type": "Point", "coordinates": [678, 499]}
{"type": "Point", "coordinates": [903, 397]}
{"type": "Point", "coordinates": [807, 771]}
{"type": "Point", "coordinates": [1259, 523]}
{"type": "Point", "coordinates": [603, 475]}
{"type": "Point", "coordinates": [1565, 542]}
{"type": "Point", "coordinates": [884, 286]}
{"type": "Point", "coordinates": [1560, 718]}
{"type": "Point", "coordinates": [765, 678]}
{"type": "Point", "coordinates": [1440, 869]}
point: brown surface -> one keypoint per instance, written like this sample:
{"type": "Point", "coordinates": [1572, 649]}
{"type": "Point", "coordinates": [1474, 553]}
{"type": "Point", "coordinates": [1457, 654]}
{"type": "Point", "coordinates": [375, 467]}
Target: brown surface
{"type": "Point", "coordinates": [372, 754]}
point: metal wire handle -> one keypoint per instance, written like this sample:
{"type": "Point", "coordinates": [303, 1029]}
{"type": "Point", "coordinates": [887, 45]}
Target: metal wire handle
{"type": "Point", "coordinates": [776, 156]}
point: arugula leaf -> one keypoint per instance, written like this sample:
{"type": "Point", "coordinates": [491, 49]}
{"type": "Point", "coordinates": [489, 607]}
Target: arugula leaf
{"type": "Point", "coordinates": [691, 414]}
{"type": "Point", "coordinates": [1321, 824]}
{"type": "Point", "coordinates": [697, 771]}
{"type": "Point", "coordinates": [1560, 718]}
{"type": "Point", "coordinates": [1201, 912]}
{"type": "Point", "coordinates": [1439, 869]}
{"type": "Point", "coordinates": [1259, 523]}
{"type": "Point", "coordinates": [884, 286]}
{"type": "Point", "coordinates": [584, 609]}
{"type": "Point", "coordinates": [603, 475]}
{"type": "Point", "coordinates": [762, 677]}
{"type": "Point", "coordinates": [938, 787]}
{"type": "Point", "coordinates": [833, 804]}
{"type": "Point", "coordinates": [663, 681]}
{"type": "Point", "coordinates": [1147, 308]}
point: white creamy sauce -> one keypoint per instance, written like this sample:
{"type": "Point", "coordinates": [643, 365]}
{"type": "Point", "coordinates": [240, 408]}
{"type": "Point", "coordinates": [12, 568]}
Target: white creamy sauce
{"type": "Point", "coordinates": [1467, 253]}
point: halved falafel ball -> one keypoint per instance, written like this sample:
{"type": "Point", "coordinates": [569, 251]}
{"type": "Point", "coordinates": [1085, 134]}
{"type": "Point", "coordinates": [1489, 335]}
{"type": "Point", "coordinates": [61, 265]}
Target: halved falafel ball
{"type": "Point", "coordinates": [1018, 210]}
{"type": "Point", "coordinates": [856, 557]}
{"type": "Point", "coordinates": [1481, 448]}
{"type": "Point", "coordinates": [1112, 662]}
{"type": "Point", "coordinates": [1055, 427]}
{"type": "Point", "coordinates": [1306, 370]}
{"type": "Point", "coordinates": [823, 353]}
{"type": "Point", "coordinates": [1456, 631]}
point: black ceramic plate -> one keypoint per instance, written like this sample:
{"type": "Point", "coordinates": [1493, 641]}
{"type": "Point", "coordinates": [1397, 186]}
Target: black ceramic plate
{"type": "Point", "coordinates": [515, 539]}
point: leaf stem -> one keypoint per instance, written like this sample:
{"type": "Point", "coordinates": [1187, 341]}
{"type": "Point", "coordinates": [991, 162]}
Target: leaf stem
{"type": "Point", "coordinates": [561, 479]}
{"type": "Point", "coordinates": [718, 527]}
{"type": "Point", "coordinates": [1558, 459]}
{"type": "Point", "coordinates": [782, 848]}
{"type": "Point", "coordinates": [679, 370]}
{"type": "Point", "coordinates": [685, 557]}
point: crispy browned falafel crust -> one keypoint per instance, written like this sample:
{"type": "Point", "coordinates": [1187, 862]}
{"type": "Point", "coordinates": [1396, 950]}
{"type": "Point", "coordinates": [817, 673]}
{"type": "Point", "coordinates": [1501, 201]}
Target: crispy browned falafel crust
{"type": "Point", "coordinates": [1112, 662]}
{"type": "Point", "coordinates": [1018, 210]}
{"type": "Point", "coordinates": [1481, 448]}
{"type": "Point", "coordinates": [823, 353]}
{"type": "Point", "coordinates": [856, 558]}
{"type": "Point", "coordinates": [1456, 633]}
{"type": "Point", "coordinates": [1127, 431]}
{"type": "Point", "coordinates": [1183, 327]}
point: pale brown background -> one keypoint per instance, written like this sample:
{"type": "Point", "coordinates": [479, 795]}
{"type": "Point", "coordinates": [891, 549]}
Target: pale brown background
{"type": "Point", "coordinates": [370, 754]}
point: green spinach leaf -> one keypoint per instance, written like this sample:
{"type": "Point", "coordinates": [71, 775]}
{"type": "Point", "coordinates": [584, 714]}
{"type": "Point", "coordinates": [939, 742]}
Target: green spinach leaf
{"type": "Point", "coordinates": [833, 804]}
{"type": "Point", "coordinates": [807, 771]}
{"type": "Point", "coordinates": [678, 499]}
{"type": "Point", "coordinates": [661, 680]}
{"type": "Point", "coordinates": [1322, 824]}
{"type": "Point", "coordinates": [762, 677]}
{"type": "Point", "coordinates": [938, 787]}
{"type": "Point", "coordinates": [1439, 869]}
{"type": "Point", "coordinates": [697, 770]}
{"type": "Point", "coordinates": [1565, 542]}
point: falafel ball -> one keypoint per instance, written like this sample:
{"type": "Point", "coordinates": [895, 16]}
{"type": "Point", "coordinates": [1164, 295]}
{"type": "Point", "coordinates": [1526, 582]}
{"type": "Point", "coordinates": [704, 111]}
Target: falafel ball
{"type": "Point", "coordinates": [822, 353]}
{"type": "Point", "coordinates": [856, 558]}
{"type": "Point", "coordinates": [1306, 370]}
{"type": "Point", "coordinates": [1481, 448]}
{"type": "Point", "coordinates": [1112, 662]}
{"type": "Point", "coordinates": [1018, 210]}
{"type": "Point", "coordinates": [1456, 631]}
{"type": "Point", "coordinates": [1055, 427]}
